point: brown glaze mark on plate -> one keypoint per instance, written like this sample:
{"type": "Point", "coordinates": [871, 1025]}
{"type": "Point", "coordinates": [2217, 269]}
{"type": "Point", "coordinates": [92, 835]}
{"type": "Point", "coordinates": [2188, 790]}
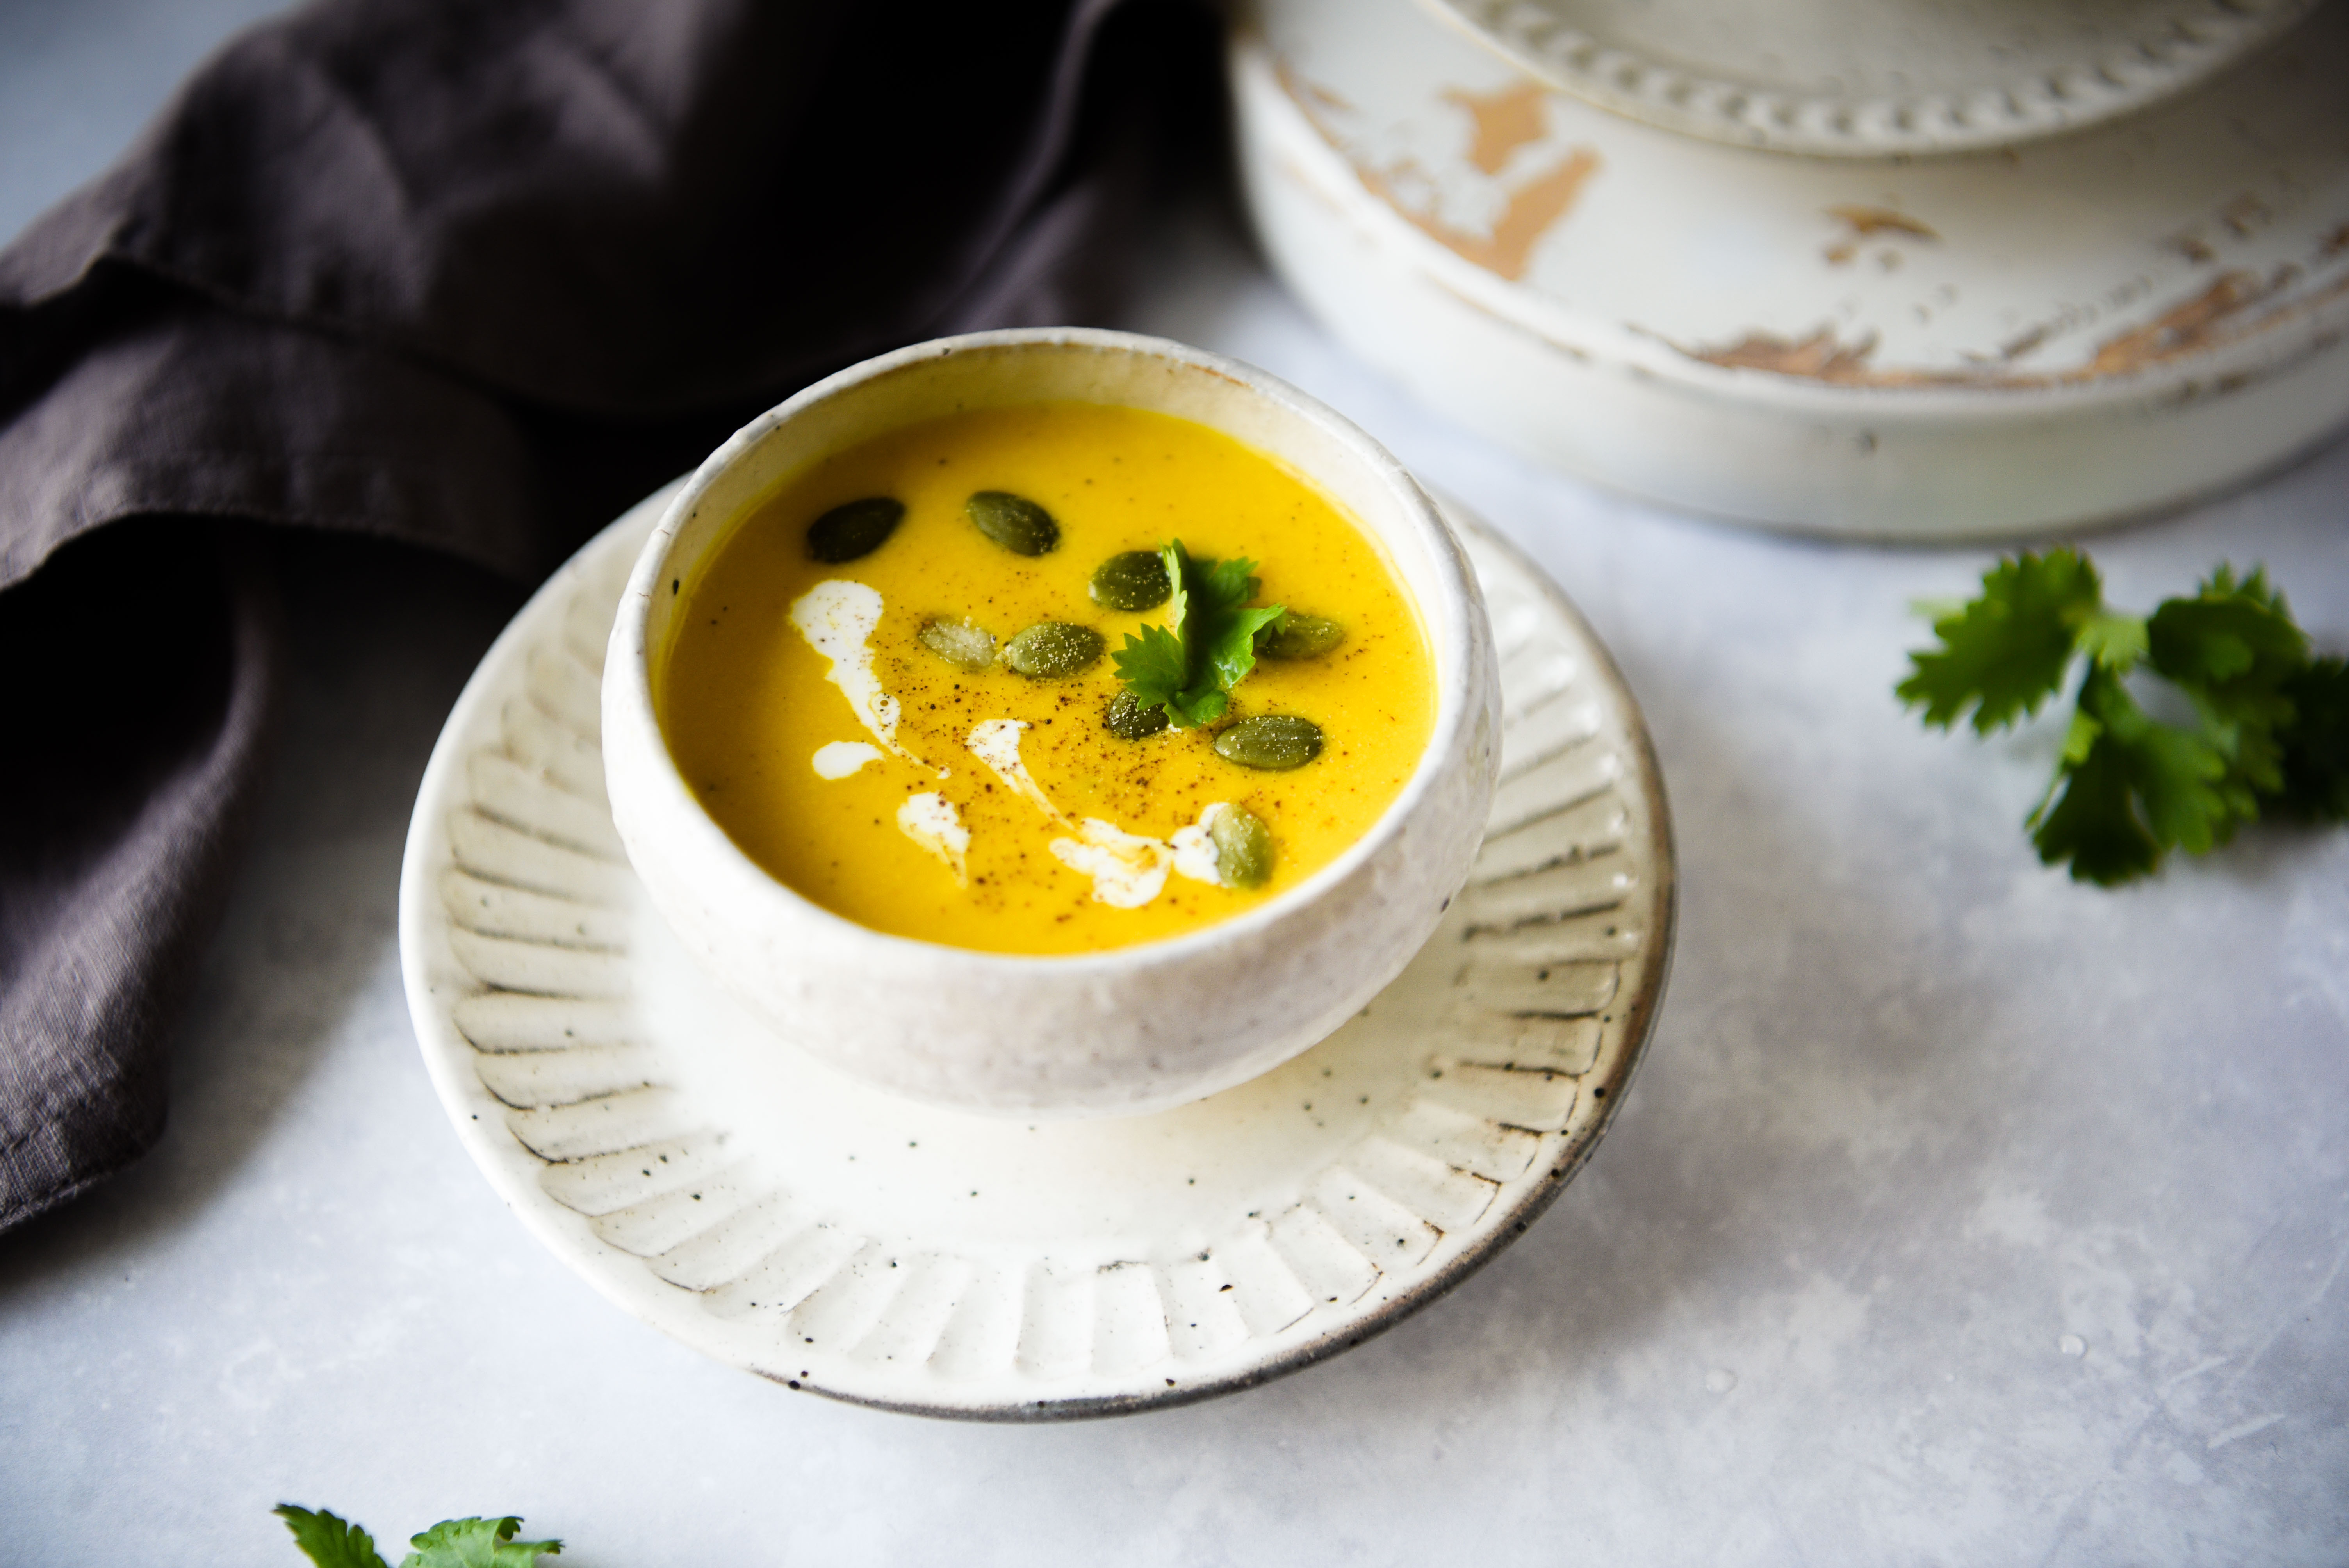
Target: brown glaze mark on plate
{"type": "Point", "coordinates": [1504, 122]}
{"type": "Point", "coordinates": [2237, 307]}
{"type": "Point", "coordinates": [1866, 222]}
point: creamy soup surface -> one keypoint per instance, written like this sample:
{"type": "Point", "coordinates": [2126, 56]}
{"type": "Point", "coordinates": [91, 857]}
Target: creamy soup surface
{"type": "Point", "coordinates": [984, 809]}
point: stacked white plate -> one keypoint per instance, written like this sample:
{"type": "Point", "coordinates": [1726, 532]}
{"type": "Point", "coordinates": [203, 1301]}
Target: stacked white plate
{"type": "Point", "coordinates": [2058, 330]}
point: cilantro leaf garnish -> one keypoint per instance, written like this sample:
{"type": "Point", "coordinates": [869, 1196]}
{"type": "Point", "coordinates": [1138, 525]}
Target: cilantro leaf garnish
{"type": "Point", "coordinates": [1189, 665]}
{"type": "Point", "coordinates": [332, 1542]}
{"type": "Point", "coordinates": [2270, 729]}
{"type": "Point", "coordinates": [1153, 667]}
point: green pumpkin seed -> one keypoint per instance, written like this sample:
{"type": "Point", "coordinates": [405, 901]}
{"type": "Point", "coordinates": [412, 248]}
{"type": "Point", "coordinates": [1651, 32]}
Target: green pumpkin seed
{"type": "Point", "coordinates": [1013, 521]}
{"type": "Point", "coordinates": [1129, 720]}
{"type": "Point", "coordinates": [1243, 848]}
{"type": "Point", "coordinates": [854, 529]}
{"type": "Point", "coordinates": [965, 645]}
{"type": "Point", "coordinates": [1273, 741]}
{"type": "Point", "coordinates": [1300, 637]}
{"type": "Point", "coordinates": [1133, 581]}
{"type": "Point", "coordinates": [1053, 650]}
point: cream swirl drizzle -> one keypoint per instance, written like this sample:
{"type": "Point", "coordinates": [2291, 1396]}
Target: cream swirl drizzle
{"type": "Point", "coordinates": [1128, 869]}
{"type": "Point", "coordinates": [1195, 851]}
{"type": "Point", "coordinates": [996, 744]}
{"type": "Point", "coordinates": [843, 758]}
{"type": "Point", "coordinates": [838, 618]}
{"type": "Point", "coordinates": [931, 821]}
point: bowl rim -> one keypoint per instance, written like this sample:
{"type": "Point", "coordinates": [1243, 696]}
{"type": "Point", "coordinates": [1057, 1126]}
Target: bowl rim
{"type": "Point", "coordinates": [628, 657]}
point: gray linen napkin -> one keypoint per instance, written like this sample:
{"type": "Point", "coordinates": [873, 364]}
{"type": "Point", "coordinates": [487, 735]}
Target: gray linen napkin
{"type": "Point", "coordinates": [473, 277]}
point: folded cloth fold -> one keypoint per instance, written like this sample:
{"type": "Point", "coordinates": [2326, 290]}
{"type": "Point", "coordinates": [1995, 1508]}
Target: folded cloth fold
{"type": "Point", "coordinates": [472, 278]}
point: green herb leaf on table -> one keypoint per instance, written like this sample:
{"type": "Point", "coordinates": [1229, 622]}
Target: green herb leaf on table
{"type": "Point", "coordinates": [329, 1541]}
{"type": "Point", "coordinates": [2132, 786]}
{"type": "Point", "coordinates": [1189, 665]}
{"type": "Point", "coordinates": [2090, 822]}
{"type": "Point", "coordinates": [2230, 648]}
{"type": "Point", "coordinates": [2115, 642]}
{"type": "Point", "coordinates": [332, 1542]}
{"type": "Point", "coordinates": [2272, 729]}
{"type": "Point", "coordinates": [2315, 750]}
{"type": "Point", "coordinates": [2004, 652]}
{"type": "Point", "coordinates": [477, 1544]}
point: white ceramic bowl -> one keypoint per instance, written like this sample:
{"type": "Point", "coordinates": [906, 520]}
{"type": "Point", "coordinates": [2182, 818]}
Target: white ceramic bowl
{"type": "Point", "coordinates": [1131, 1030]}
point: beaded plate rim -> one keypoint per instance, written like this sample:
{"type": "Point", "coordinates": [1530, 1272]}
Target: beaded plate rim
{"type": "Point", "coordinates": [2175, 46]}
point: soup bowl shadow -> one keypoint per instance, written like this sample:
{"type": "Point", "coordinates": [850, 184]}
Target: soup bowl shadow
{"type": "Point", "coordinates": [1134, 1029]}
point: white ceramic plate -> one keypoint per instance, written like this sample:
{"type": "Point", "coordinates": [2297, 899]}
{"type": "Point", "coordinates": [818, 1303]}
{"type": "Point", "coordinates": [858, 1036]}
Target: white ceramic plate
{"type": "Point", "coordinates": [1872, 78]}
{"type": "Point", "coordinates": [777, 1215]}
{"type": "Point", "coordinates": [2085, 328]}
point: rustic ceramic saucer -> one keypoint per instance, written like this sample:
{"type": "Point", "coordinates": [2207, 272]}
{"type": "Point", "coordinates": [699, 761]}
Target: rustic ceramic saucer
{"type": "Point", "coordinates": [761, 1207]}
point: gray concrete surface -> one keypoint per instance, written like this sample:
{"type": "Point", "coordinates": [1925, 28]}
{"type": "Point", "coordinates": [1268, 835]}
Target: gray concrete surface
{"type": "Point", "coordinates": [1960, 1214]}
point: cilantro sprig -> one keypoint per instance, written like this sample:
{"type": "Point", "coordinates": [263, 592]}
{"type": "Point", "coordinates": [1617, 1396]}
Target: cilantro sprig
{"type": "Point", "coordinates": [1189, 665]}
{"type": "Point", "coordinates": [2270, 729]}
{"type": "Point", "coordinates": [332, 1542]}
